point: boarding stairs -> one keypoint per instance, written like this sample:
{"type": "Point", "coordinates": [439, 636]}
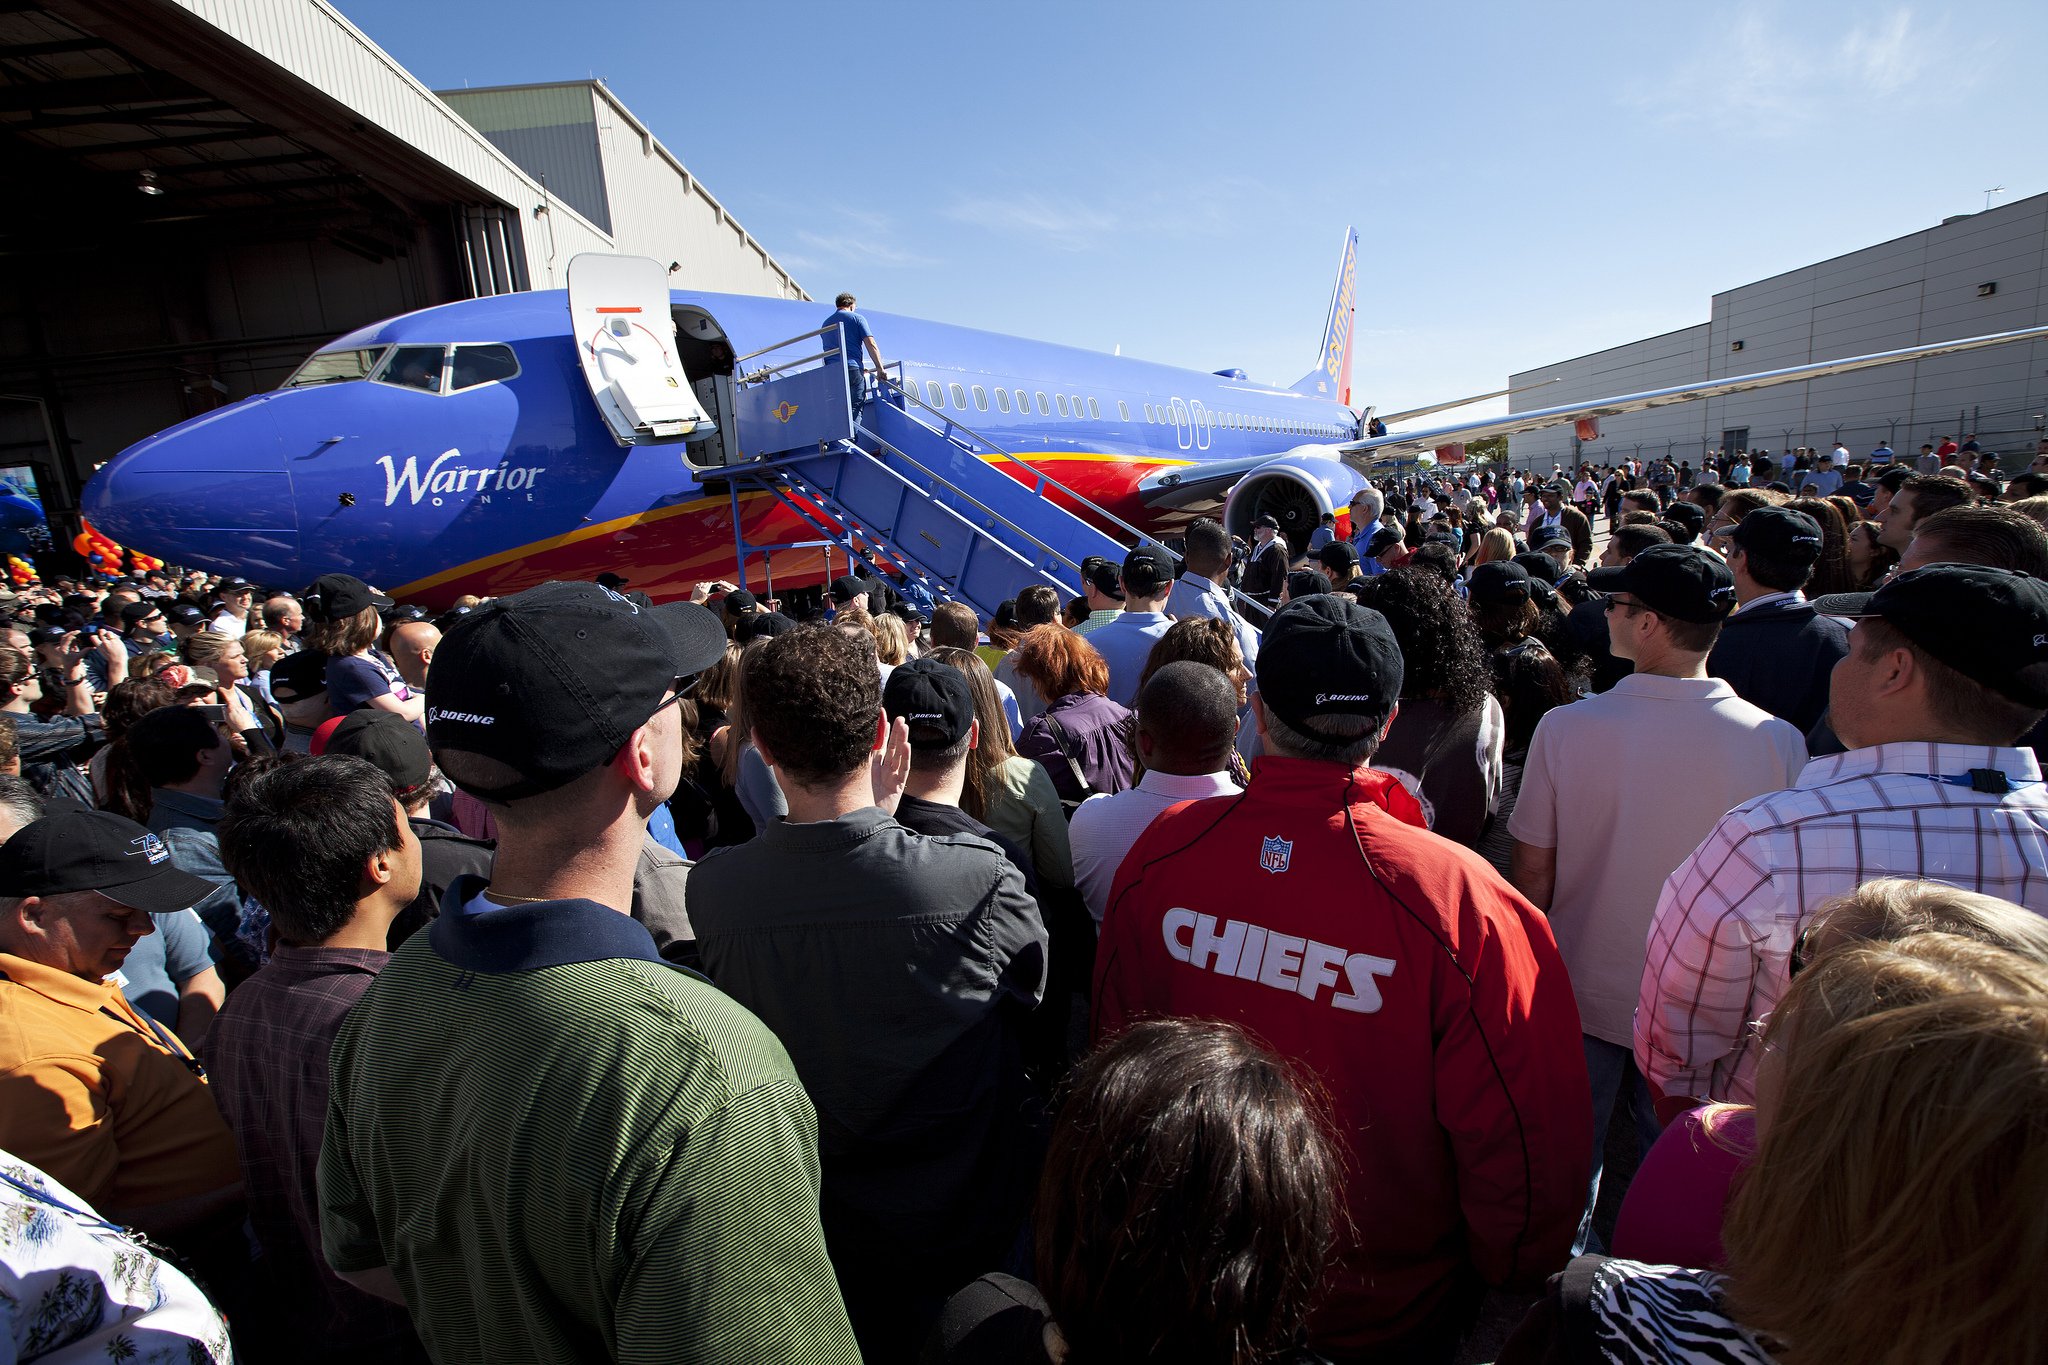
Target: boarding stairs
{"type": "Point", "coordinates": [902, 487]}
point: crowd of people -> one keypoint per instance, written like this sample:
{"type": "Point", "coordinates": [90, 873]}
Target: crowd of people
{"type": "Point", "coordinates": [569, 977]}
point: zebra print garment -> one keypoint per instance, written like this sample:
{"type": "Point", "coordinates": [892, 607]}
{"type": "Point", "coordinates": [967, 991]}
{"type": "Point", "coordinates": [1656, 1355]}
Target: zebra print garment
{"type": "Point", "coordinates": [1663, 1315]}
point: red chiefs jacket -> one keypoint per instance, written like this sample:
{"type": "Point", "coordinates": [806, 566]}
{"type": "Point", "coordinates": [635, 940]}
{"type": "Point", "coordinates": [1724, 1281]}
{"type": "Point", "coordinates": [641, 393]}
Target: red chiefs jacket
{"type": "Point", "coordinates": [1424, 992]}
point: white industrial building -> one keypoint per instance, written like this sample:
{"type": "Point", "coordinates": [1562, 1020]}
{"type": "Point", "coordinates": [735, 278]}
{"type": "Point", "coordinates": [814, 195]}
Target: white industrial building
{"type": "Point", "coordinates": [203, 191]}
{"type": "Point", "coordinates": [1971, 275]}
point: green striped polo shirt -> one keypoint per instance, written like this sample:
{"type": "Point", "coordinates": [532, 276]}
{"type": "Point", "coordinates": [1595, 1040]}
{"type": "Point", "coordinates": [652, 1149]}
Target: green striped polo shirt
{"type": "Point", "coordinates": [567, 1150]}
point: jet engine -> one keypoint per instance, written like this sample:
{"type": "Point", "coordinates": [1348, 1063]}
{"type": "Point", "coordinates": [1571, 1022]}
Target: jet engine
{"type": "Point", "coordinates": [1295, 489]}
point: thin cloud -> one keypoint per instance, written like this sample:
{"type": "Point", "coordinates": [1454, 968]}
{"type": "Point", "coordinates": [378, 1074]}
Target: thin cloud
{"type": "Point", "coordinates": [1064, 226]}
{"type": "Point", "coordinates": [858, 237]}
{"type": "Point", "coordinates": [1758, 76]}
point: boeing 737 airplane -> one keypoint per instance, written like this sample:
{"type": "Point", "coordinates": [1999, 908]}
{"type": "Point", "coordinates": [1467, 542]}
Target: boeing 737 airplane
{"type": "Point", "coordinates": [488, 445]}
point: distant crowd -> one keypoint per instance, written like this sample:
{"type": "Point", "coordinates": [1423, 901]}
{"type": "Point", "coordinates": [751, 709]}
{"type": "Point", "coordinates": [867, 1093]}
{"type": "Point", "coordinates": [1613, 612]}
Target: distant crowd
{"type": "Point", "coordinates": [1336, 947]}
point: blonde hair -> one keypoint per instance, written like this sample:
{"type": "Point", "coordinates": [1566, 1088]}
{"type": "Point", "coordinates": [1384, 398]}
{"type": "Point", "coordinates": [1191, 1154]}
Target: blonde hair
{"type": "Point", "coordinates": [892, 641]}
{"type": "Point", "coordinates": [1496, 546]}
{"type": "Point", "coordinates": [1888, 1218]}
{"type": "Point", "coordinates": [1892, 908]}
{"type": "Point", "coordinates": [258, 643]}
{"type": "Point", "coordinates": [993, 749]}
{"type": "Point", "coordinates": [2035, 508]}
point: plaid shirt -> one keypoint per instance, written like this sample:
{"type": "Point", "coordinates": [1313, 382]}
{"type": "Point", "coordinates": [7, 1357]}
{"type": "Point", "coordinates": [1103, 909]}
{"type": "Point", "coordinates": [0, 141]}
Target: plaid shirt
{"type": "Point", "coordinates": [1729, 916]}
{"type": "Point", "coordinates": [268, 1054]}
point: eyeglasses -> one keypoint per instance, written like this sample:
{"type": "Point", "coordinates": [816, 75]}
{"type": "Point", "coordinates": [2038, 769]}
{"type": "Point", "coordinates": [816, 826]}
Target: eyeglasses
{"type": "Point", "coordinates": [1617, 601]}
{"type": "Point", "coordinates": [682, 689]}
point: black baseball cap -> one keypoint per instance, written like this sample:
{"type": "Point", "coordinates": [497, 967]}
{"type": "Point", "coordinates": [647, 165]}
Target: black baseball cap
{"type": "Point", "coordinates": [1148, 568]}
{"type": "Point", "coordinates": [846, 587]}
{"type": "Point", "coordinates": [1306, 583]}
{"type": "Point", "coordinates": [614, 581]}
{"type": "Point", "coordinates": [927, 693]}
{"type": "Point", "coordinates": [405, 612]}
{"type": "Point", "coordinates": [1990, 625]}
{"type": "Point", "coordinates": [235, 585]}
{"type": "Point", "coordinates": [740, 600]}
{"type": "Point", "coordinates": [1267, 520]}
{"type": "Point", "coordinates": [553, 681]}
{"type": "Point", "coordinates": [1499, 582]}
{"type": "Point", "coordinates": [1383, 540]}
{"type": "Point", "coordinates": [338, 596]}
{"type": "Point", "coordinates": [388, 742]}
{"type": "Point", "coordinates": [1780, 533]}
{"type": "Point", "coordinates": [48, 635]}
{"type": "Point", "coordinates": [762, 625]}
{"type": "Point", "coordinates": [184, 614]}
{"type": "Point", "coordinates": [1683, 582]}
{"type": "Point", "coordinates": [1103, 577]}
{"type": "Point", "coordinates": [1540, 567]}
{"type": "Point", "coordinates": [138, 611]}
{"type": "Point", "coordinates": [1690, 514]}
{"type": "Point", "coordinates": [1340, 557]}
{"type": "Point", "coordinates": [1328, 656]}
{"type": "Point", "coordinates": [299, 676]}
{"type": "Point", "coordinates": [96, 850]}
{"type": "Point", "coordinates": [1550, 535]}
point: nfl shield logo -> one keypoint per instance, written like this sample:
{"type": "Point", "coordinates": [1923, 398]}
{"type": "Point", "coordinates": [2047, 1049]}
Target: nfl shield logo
{"type": "Point", "coordinates": [1274, 854]}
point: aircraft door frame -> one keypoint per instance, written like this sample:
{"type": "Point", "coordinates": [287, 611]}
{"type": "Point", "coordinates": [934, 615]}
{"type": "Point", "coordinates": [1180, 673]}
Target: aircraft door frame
{"type": "Point", "coordinates": [1200, 417]}
{"type": "Point", "coordinates": [1183, 429]}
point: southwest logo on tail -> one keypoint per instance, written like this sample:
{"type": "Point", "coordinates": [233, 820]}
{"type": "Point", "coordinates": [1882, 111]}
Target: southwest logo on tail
{"type": "Point", "coordinates": [1331, 378]}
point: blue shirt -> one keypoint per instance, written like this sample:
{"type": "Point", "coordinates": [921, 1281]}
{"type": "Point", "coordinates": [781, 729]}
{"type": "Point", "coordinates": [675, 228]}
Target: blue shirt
{"type": "Point", "coordinates": [1194, 595]}
{"type": "Point", "coordinates": [1882, 453]}
{"type": "Point", "coordinates": [855, 328]}
{"type": "Point", "coordinates": [1125, 644]}
{"type": "Point", "coordinates": [158, 966]}
{"type": "Point", "coordinates": [1320, 537]}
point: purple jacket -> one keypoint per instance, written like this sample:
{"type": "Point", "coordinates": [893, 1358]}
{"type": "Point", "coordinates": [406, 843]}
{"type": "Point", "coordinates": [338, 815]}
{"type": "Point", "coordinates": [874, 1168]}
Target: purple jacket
{"type": "Point", "coordinates": [1097, 732]}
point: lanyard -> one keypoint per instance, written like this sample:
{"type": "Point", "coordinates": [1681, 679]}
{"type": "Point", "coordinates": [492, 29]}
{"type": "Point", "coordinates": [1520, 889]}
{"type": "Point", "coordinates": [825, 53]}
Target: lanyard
{"type": "Point", "coordinates": [170, 1041]}
{"type": "Point", "coordinates": [1989, 781]}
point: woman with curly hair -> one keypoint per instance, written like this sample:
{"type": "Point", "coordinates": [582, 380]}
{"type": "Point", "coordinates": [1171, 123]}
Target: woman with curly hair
{"type": "Point", "coordinates": [1446, 739]}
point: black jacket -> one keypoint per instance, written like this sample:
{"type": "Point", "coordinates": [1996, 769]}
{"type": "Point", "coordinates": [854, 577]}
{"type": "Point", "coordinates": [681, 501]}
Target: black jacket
{"type": "Point", "coordinates": [445, 854]}
{"type": "Point", "coordinates": [1778, 656]}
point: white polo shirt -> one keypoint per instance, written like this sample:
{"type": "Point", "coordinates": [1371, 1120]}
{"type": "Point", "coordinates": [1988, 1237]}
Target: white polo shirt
{"type": "Point", "coordinates": [1624, 785]}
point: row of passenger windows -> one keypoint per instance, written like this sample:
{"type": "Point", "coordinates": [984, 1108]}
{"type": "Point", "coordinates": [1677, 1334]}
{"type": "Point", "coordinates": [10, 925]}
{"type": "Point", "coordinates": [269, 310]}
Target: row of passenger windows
{"type": "Point", "coordinates": [1078, 406]}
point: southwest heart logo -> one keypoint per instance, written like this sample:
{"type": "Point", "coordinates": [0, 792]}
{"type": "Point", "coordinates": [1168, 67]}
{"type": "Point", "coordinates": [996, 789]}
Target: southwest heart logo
{"type": "Point", "coordinates": [785, 411]}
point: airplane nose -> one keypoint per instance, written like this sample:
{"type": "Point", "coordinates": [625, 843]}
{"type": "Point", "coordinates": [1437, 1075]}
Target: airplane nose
{"type": "Point", "coordinates": [208, 493]}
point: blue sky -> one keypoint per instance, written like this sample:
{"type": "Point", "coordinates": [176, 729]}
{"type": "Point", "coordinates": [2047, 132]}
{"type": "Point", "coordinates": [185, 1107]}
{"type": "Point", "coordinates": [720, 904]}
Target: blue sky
{"type": "Point", "coordinates": [1529, 183]}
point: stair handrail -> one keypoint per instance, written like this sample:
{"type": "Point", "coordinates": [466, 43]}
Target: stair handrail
{"type": "Point", "coordinates": [909, 390]}
{"type": "Point", "coordinates": [758, 375]}
{"type": "Point", "coordinates": [1043, 478]}
{"type": "Point", "coordinates": [949, 486]}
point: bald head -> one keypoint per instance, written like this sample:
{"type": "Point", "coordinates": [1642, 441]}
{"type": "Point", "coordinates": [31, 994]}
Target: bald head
{"type": "Point", "coordinates": [412, 649]}
{"type": "Point", "coordinates": [1187, 719]}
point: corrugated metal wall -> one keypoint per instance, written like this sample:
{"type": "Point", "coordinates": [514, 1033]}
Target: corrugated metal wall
{"type": "Point", "coordinates": [1917, 289]}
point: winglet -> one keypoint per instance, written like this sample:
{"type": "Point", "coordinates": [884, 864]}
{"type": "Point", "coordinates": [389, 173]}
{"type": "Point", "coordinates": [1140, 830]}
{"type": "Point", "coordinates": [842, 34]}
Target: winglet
{"type": "Point", "coordinates": [1331, 378]}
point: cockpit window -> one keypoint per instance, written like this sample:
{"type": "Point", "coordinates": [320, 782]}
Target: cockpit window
{"type": "Point", "coordinates": [335, 367]}
{"type": "Point", "coordinates": [474, 365]}
{"type": "Point", "coordinates": [414, 367]}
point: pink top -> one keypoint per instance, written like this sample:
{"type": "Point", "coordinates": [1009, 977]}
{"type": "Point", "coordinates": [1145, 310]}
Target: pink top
{"type": "Point", "coordinates": [1672, 1215]}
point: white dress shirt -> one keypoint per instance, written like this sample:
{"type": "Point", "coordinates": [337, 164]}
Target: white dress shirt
{"type": "Point", "coordinates": [1104, 827]}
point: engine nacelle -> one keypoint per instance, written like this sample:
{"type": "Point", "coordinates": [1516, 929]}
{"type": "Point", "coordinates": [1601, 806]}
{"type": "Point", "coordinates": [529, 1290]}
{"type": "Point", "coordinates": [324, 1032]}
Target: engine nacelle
{"type": "Point", "coordinates": [1295, 489]}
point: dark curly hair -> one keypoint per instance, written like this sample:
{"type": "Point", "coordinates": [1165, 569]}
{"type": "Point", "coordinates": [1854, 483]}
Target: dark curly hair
{"type": "Point", "coordinates": [813, 696]}
{"type": "Point", "coordinates": [1190, 1194]}
{"type": "Point", "coordinates": [1441, 654]}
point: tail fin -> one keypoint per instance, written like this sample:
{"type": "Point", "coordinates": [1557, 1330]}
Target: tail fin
{"type": "Point", "coordinates": [1331, 378]}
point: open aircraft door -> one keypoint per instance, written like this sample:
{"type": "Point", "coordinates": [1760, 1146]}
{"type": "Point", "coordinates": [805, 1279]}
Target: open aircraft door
{"type": "Point", "coordinates": [626, 343]}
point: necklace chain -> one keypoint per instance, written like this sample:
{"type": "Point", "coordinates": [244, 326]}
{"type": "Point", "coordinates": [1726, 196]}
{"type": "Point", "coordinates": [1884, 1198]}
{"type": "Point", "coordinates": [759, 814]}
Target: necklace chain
{"type": "Point", "coordinates": [498, 895]}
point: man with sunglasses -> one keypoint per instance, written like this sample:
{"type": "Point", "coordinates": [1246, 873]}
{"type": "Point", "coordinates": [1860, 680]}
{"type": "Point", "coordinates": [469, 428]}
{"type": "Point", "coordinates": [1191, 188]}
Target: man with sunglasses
{"type": "Point", "coordinates": [1946, 669]}
{"type": "Point", "coordinates": [1597, 831]}
{"type": "Point", "coordinates": [638, 1163]}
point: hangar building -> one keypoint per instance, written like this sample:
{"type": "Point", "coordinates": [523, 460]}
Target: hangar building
{"type": "Point", "coordinates": [1968, 276]}
{"type": "Point", "coordinates": [203, 191]}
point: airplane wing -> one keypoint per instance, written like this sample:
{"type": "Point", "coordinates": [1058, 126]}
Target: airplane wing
{"type": "Point", "coordinates": [1360, 453]}
{"type": "Point", "coordinates": [1199, 484]}
{"type": "Point", "coordinates": [1412, 413]}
